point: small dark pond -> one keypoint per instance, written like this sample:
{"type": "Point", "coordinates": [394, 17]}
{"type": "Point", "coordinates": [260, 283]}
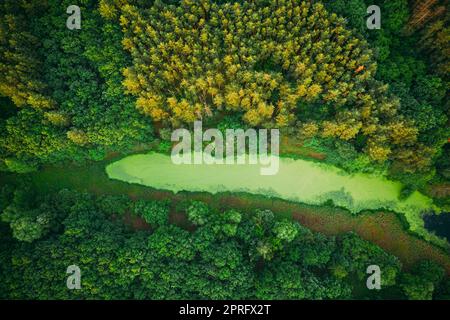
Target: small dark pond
{"type": "Point", "coordinates": [439, 224]}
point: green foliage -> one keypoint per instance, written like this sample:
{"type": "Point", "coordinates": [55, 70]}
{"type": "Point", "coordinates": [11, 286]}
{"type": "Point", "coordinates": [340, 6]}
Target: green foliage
{"type": "Point", "coordinates": [172, 263]}
{"type": "Point", "coordinates": [423, 280]}
{"type": "Point", "coordinates": [285, 230]}
{"type": "Point", "coordinates": [344, 155]}
{"type": "Point", "coordinates": [15, 165]}
{"type": "Point", "coordinates": [88, 112]}
{"type": "Point", "coordinates": [26, 225]}
{"type": "Point", "coordinates": [27, 228]}
{"type": "Point", "coordinates": [20, 62]}
{"type": "Point", "coordinates": [114, 204]}
{"type": "Point", "coordinates": [413, 78]}
{"type": "Point", "coordinates": [416, 288]}
{"type": "Point", "coordinates": [237, 64]}
{"type": "Point", "coordinates": [198, 213]}
{"type": "Point", "coordinates": [356, 255]}
{"type": "Point", "coordinates": [164, 147]}
{"type": "Point", "coordinates": [353, 10]}
{"type": "Point", "coordinates": [257, 74]}
{"type": "Point", "coordinates": [410, 51]}
{"type": "Point", "coordinates": [429, 271]}
{"type": "Point", "coordinates": [155, 213]}
{"type": "Point", "coordinates": [6, 196]}
{"type": "Point", "coordinates": [396, 14]}
{"type": "Point", "coordinates": [231, 63]}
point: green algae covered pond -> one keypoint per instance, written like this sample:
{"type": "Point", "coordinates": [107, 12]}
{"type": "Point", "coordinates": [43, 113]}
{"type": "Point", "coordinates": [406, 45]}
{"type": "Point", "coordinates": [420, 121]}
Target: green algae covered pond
{"type": "Point", "coordinates": [297, 180]}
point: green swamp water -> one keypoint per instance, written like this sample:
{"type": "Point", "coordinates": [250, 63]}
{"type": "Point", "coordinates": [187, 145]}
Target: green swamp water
{"type": "Point", "coordinates": [297, 180]}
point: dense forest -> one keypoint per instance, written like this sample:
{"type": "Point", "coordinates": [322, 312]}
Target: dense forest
{"type": "Point", "coordinates": [218, 255]}
{"type": "Point", "coordinates": [372, 101]}
{"type": "Point", "coordinates": [374, 96]}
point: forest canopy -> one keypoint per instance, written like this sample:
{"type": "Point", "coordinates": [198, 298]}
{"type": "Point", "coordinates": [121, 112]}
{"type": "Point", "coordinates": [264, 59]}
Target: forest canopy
{"type": "Point", "coordinates": [220, 254]}
{"type": "Point", "coordinates": [264, 60]}
{"type": "Point", "coordinates": [372, 101]}
{"type": "Point", "coordinates": [287, 64]}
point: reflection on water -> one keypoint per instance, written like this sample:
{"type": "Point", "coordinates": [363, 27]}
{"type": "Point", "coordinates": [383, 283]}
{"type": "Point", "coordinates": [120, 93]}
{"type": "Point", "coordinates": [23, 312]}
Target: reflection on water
{"type": "Point", "coordinates": [439, 224]}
